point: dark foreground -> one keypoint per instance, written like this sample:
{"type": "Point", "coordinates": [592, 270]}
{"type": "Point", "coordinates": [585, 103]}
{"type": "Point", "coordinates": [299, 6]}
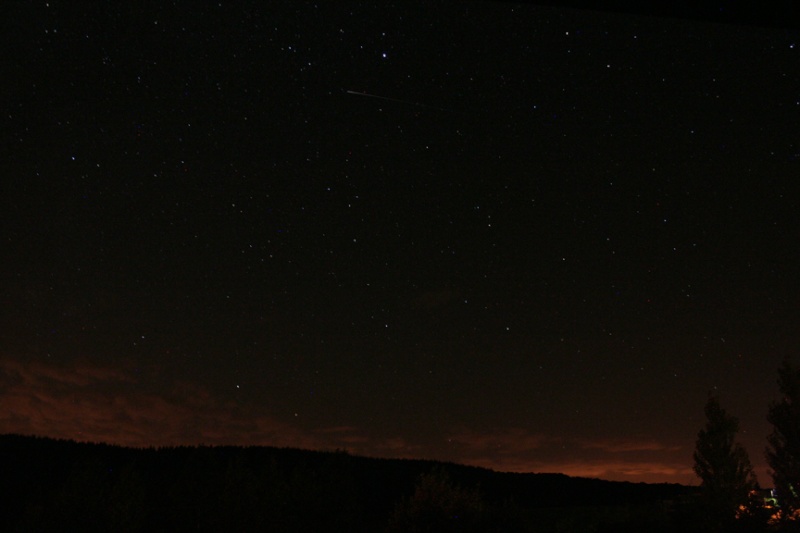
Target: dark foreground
{"type": "Point", "coordinates": [62, 485]}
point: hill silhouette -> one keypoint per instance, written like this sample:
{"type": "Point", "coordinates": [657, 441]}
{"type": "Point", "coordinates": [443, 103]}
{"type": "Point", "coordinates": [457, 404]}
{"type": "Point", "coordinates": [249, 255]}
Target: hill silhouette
{"type": "Point", "coordinates": [65, 485]}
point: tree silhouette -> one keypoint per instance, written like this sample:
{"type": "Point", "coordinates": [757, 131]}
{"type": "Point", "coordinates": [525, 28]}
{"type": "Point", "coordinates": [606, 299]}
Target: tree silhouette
{"type": "Point", "coordinates": [783, 452]}
{"type": "Point", "coordinates": [727, 478]}
{"type": "Point", "coordinates": [438, 505]}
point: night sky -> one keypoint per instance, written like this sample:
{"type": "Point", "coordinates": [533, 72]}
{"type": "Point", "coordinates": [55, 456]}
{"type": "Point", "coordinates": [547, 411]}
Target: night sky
{"type": "Point", "coordinates": [521, 237]}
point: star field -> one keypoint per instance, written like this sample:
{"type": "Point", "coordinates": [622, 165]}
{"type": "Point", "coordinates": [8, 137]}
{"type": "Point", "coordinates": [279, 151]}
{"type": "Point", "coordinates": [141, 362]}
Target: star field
{"type": "Point", "coordinates": [529, 238]}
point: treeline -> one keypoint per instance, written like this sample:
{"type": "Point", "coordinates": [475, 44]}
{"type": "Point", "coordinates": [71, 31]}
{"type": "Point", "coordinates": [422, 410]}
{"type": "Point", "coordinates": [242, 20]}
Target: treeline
{"type": "Point", "coordinates": [61, 485]}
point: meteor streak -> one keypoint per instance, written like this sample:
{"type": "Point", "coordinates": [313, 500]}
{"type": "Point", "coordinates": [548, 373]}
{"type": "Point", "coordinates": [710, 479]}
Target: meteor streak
{"type": "Point", "coordinates": [399, 101]}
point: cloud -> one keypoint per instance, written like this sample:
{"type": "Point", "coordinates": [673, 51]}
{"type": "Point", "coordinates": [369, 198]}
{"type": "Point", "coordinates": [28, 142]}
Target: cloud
{"type": "Point", "coordinates": [37, 374]}
{"type": "Point", "coordinates": [628, 445]}
{"type": "Point", "coordinates": [631, 470]}
{"type": "Point", "coordinates": [519, 450]}
{"type": "Point", "coordinates": [94, 402]}
{"type": "Point", "coordinates": [355, 440]}
{"type": "Point", "coordinates": [506, 441]}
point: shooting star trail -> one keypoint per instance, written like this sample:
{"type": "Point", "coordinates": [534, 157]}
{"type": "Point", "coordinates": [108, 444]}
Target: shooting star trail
{"type": "Point", "coordinates": [399, 101]}
{"type": "Point", "coordinates": [382, 97]}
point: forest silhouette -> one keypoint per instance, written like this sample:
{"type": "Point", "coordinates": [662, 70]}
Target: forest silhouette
{"type": "Point", "coordinates": [57, 485]}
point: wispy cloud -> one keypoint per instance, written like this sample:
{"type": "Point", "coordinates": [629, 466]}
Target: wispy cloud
{"type": "Point", "coordinates": [518, 450]}
{"type": "Point", "coordinates": [631, 470]}
{"type": "Point", "coordinates": [503, 441]}
{"type": "Point", "coordinates": [98, 403]}
{"type": "Point", "coordinates": [93, 402]}
{"type": "Point", "coordinates": [629, 445]}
